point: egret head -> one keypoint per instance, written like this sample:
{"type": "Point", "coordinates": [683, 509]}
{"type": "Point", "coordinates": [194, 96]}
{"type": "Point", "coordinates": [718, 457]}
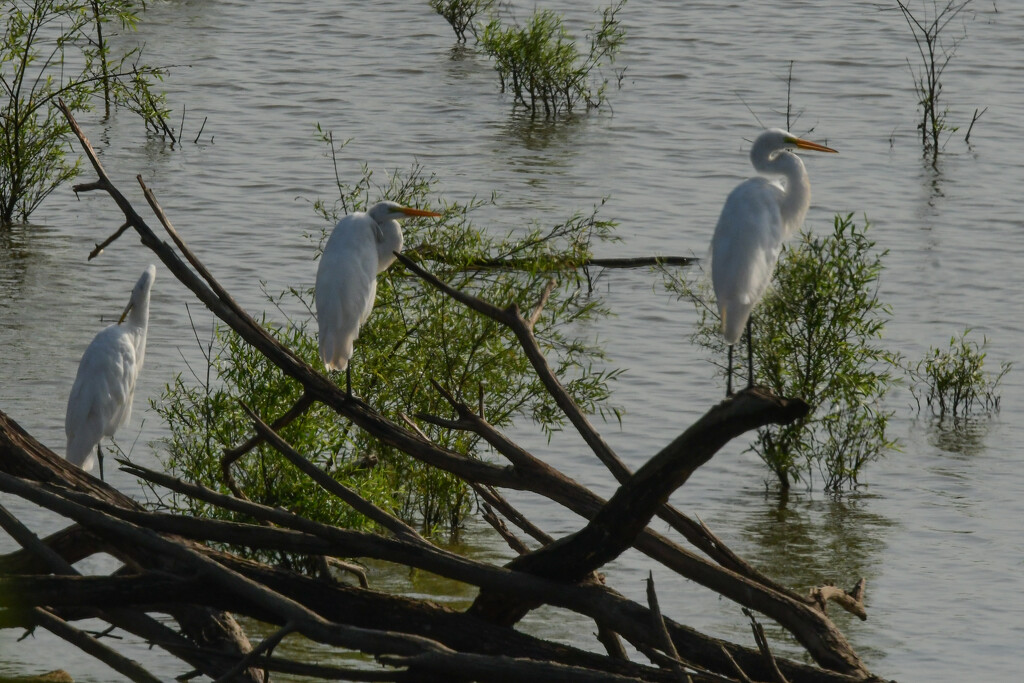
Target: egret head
{"type": "Point", "coordinates": [140, 291]}
{"type": "Point", "coordinates": [393, 211]}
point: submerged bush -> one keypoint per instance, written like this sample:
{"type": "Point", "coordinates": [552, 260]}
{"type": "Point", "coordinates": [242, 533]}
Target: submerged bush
{"type": "Point", "coordinates": [461, 14]}
{"type": "Point", "coordinates": [953, 382]}
{"type": "Point", "coordinates": [815, 337]}
{"type": "Point", "coordinates": [56, 50]}
{"type": "Point", "coordinates": [414, 337]}
{"type": "Point", "coordinates": [542, 66]}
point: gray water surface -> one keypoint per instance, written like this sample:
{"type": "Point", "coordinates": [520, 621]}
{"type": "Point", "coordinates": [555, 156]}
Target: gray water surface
{"type": "Point", "coordinates": [936, 531]}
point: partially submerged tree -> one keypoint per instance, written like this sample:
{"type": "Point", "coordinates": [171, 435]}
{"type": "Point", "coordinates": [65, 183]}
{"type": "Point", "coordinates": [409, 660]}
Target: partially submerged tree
{"type": "Point", "coordinates": [54, 50]}
{"type": "Point", "coordinates": [541, 64]}
{"type": "Point", "coordinates": [935, 49]}
{"type": "Point", "coordinates": [460, 14]}
{"type": "Point", "coordinates": [413, 638]}
{"type": "Point", "coordinates": [418, 346]}
{"type": "Point", "coordinates": [816, 335]}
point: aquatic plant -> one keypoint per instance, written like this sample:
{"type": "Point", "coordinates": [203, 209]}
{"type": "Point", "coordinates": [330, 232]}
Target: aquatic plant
{"type": "Point", "coordinates": [540, 63]}
{"type": "Point", "coordinates": [815, 336]}
{"type": "Point", "coordinates": [54, 50]}
{"type": "Point", "coordinates": [417, 339]}
{"type": "Point", "coordinates": [953, 382]}
{"type": "Point", "coordinates": [935, 55]}
{"type": "Point", "coordinates": [461, 14]}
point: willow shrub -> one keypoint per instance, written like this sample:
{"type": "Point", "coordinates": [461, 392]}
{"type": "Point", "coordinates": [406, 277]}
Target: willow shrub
{"type": "Point", "coordinates": [816, 335]}
{"type": "Point", "coordinates": [415, 335]}
{"type": "Point", "coordinates": [954, 383]}
{"type": "Point", "coordinates": [541, 64]}
{"type": "Point", "coordinates": [52, 50]}
{"type": "Point", "coordinates": [460, 14]}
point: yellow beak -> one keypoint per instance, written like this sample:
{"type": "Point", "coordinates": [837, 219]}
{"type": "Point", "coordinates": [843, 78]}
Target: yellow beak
{"type": "Point", "coordinates": [807, 144]}
{"type": "Point", "coordinates": [127, 309]}
{"type": "Point", "coordinates": [409, 211]}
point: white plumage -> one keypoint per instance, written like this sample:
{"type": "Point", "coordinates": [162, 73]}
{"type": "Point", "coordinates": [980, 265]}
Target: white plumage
{"type": "Point", "coordinates": [758, 215]}
{"type": "Point", "coordinates": [361, 246]}
{"type": "Point", "coordinates": [101, 397]}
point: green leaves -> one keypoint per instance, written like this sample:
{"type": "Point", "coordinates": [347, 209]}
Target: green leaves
{"type": "Point", "coordinates": [461, 13]}
{"type": "Point", "coordinates": [35, 72]}
{"type": "Point", "coordinates": [540, 63]}
{"type": "Point", "coordinates": [954, 383]}
{"type": "Point", "coordinates": [816, 336]}
{"type": "Point", "coordinates": [416, 336]}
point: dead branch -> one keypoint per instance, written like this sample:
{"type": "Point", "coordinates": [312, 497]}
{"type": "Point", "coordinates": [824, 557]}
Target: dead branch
{"type": "Point", "coordinates": [357, 502]}
{"type": "Point", "coordinates": [107, 242]}
{"type": "Point", "coordinates": [762, 645]}
{"type": "Point", "coordinates": [560, 573]}
{"type": "Point", "coordinates": [23, 456]}
{"type": "Point", "coordinates": [667, 646]}
{"type": "Point", "coordinates": [852, 600]}
{"type": "Point", "coordinates": [83, 641]}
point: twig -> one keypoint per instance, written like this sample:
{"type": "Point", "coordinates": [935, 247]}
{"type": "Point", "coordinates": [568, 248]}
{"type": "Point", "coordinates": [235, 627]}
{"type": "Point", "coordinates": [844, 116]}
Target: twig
{"type": "Point", "coordinates": [357, 502]}
{"type": "Point", "coordinates": [266, 645]}
{"type": "Point", "coordinates": [230, 455]}
{"type": "Point", "coordinates": [762, 645]}
{"type": "Point", "coordinates": [539, 308]}
{"type": "Point", "coordinates": [498, 502]}
{"type": "Point", "coordinates": [200, 130]}
{"type": "Point", "coordinates": [347, 567]}
{"type": "Point", "coordinates": [667, 646]}
{"type": "Point", "coordinates": [107, 242]}
{"type": "Point", "coordinates": [83, 641]}
{"type": "Point", "coordinates": [513, 542]}
{"type": "Point", "coordinates": [744, 678]}
{"type": "Point", "coordinates": [977, 115]}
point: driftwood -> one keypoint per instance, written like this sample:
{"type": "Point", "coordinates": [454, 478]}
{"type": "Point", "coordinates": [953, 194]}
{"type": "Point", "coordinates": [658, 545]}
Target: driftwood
{"type": "Point", "coordinates": [169, 566]}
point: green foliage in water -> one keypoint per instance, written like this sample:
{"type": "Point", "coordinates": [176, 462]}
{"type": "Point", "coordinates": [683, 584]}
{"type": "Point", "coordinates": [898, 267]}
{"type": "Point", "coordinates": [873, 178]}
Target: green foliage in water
{"type": "Point", "coordinates": [414, 337]}
{"type": "Point", "coordinates": [56, 50]}
{"type": "Point", "coordinates": [461, 14]}
{"type": "Point", "coordinates": [816, 336]}
{"type": "Point", "coordinates": [953, 381]}
{"type": "Point", "coordinates": [541, 64]}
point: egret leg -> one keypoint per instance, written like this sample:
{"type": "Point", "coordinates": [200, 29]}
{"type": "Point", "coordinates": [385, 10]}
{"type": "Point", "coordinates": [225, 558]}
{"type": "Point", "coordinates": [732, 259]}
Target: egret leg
{"type": "Point", "coordinates": [728, 375]}
{"type": "Point", "coordinates": [348, 379]}
{"type": "Point", "coordinates": [750, 355]}
{"type": "Point", "coordinates": [99, 456]}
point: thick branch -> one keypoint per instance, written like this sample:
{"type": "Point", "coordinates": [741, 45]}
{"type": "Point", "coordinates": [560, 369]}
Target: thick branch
{"type": "Point", "coordinates": [618, 523]}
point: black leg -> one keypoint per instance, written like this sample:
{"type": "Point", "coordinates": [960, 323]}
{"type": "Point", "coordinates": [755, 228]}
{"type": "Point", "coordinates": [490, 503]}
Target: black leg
{"type": "Point", "coordinates": [728, 375]}
{"type": "Point", "coordinates": [750, 354]}
{"type": "Point", "coordinates": [99, 456]}
{"type": "Point", "coordinates": [348, 379]}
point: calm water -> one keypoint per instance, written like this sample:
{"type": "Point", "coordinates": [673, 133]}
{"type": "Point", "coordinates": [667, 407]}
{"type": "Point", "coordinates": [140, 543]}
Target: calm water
{"type": "Point", "coordinates": [937, 530]}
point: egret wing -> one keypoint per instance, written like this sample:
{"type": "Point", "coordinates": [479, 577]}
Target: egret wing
{"type": "Point", "coordinates": [101, 396]}
{"type": "Point", "coordinates": [744, 250]}
{"type": "Point", "coordinates": [346, 286]}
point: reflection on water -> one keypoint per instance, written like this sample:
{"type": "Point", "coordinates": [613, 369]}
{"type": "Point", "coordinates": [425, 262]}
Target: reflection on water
{"type": "Point", "coordinates": [22, 248]}
{"type": "Point", "coordinates": [961, 435]}
{"type": "Point", "coordinates": [804, 540]}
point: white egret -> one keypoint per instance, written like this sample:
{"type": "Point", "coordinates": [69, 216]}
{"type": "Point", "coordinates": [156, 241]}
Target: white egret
{"type": "Point", "coordinates": [101, 397]}
{"type": "Point", "coordinates": [758, 215]}
{"type": "Point", "coordinates": [362, 246]}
